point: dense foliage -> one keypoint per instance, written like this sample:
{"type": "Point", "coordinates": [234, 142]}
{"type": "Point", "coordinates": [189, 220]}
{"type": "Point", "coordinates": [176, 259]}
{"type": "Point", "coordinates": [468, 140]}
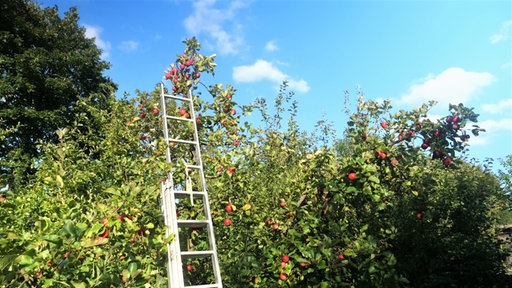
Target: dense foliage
{"type": "Point", "coordinates": [391, 205]}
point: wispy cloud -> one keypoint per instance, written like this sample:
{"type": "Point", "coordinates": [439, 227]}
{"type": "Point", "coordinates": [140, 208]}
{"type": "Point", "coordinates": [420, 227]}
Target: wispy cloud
{"type": "Point", "coordinates": [271, 46]}
{"type": "Point", "coordinates": [129, 46]}
{"type": "Point", "coordinates": [217, 23]}
{"type": "Point", "coordinates": [491, 126]}
{"type": "Point", "coordinates": [504, 33]}
{"type": "Point", "coordinates": [94, 32]}
{"type": "Point", "coordinates": [503, 105]}
{"type": "Point", "coordinates": [453, 85]}
{"type": "Point", "coordinates": [263, 70]}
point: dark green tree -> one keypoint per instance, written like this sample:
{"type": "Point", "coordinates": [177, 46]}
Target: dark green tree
{"type": "Point", "coordinates": [47, 64]}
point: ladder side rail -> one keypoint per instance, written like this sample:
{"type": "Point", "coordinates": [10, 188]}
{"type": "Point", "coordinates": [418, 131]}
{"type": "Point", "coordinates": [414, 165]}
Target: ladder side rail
{"type": "Point", "coordinates": [175, 280]}
{"type": "Point", "coordinates": [211, 234]}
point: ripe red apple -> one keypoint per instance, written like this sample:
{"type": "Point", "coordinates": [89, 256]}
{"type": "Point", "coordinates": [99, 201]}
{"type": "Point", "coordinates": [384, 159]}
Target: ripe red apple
{"type": "Point", "coordinates": [456, 118]}
{"type": "Point", "coordinates": [285, 258]}
{"type": "Point", "coordinates": [282, 276]}
{"type": "Point", "coordinates": [104, 221]}
{"type": "Point", "coordinates": [190, 268]}
{"type": "Point", "coordinates": [283, 265]}
{"type": "Point", "coordinates": [121, 218]}
{"type": "Point", "coordinates": [229, 96]}
{"type": "Point", "coordinates": [418, 215]}
{"type": "Point", "coordinates": [424, 146]}
{"type": "Point", "coordinates": [182, 66]}
{"type": "Point", "coordinates": [282, 203]}
{"type": "Point", "coordinates": [382, 154]}
{"type": "Point", "coordinates": [189, 62]}
{"type": "Point", "coordinates": [228, 222]}
{"type": "Point", "coordinates": [156, 111]}
{"type": "Point", "coordinates": [394, 162]}
{"type": "Point", "coordinates": [352, 176]}
{"type": "Point", "coordinates": [231, 170]}
{"type": "Point", "coordinates": [449, 119]}
{"type": "Point", "coordinates": [341, 256]}
{"type": "Point", "coordinates": [233, 112]}
{"type": "Point", "coordinates": [229, 208]}
{"type": "Point", "coordinates": [104, 234]}
{"type": "Point", "coordinates": [364, 137]}
{"type": "Point", "coordinates": [275, 226]}
{"type": "Point", "coordinates": [142, 115]}
{"type": "Point", "coordinates": [175, 89]}
{"type": "Point", "coordinates": [143, 137]}
{"type": "Point", "coordinates": [437, 154]}
{"type": "Point", "coordinates": [198, 75]}
{"type": "Point", "coordinates": [236, 142]}
{"type": "Point", "coordinates": [447, 161]}
{"type": "Point", "coordinates": [303, 264]}
{"type": "Point", "coordinates": [384, 125]}
{"type": "Point", "coordinates": [220, 169]}
{"type": "Point", "coordinates": [182, 111]}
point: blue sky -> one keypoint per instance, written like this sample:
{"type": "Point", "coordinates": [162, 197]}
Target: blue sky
{"type": "Point", "coordinates": [406, 51]}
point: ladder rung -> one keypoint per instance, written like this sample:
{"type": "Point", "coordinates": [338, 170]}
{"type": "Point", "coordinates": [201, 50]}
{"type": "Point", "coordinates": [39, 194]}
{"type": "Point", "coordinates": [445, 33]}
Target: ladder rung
{"type": "Point", "coordinates": [179, 118]}
{"type": "Point", "coordinates": [205, 286]}
{"type": "Point", "coordinates": [196, 254]}
{"type": "Point", "coordinates": [182, 194]}
{"type": "Point", "coordinates": [193, 166]}
{"type": "Point", "coordinates": [177, 97]}
{"type": "Point", "coordinates": [193, 223]}
{"type": "Point", "coordinates": [181, 141]}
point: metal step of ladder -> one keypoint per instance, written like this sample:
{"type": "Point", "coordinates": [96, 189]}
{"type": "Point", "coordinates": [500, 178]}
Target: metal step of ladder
{"type": "Point", "coordinates": [185, 203]}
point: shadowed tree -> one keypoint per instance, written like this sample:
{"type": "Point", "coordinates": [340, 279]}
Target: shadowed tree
{"type": "Point", "coordinates": [47, 64]}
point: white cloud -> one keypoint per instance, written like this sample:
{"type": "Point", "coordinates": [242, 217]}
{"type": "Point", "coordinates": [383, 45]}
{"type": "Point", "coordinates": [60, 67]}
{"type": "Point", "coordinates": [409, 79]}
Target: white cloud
{"type": "Point", "coordinates": [129, 46]}
{"type": "Point", "coordinates": [507, 65]}
{"type": "Point", "coordinates": [492, 126]}
{"type": "Point", "coordinates": [271, 46]}
{"type": "Point", "coordinates": [263, 70]}
{"type": "Point", "coordinates": [504, 33]}
{"type": "Point", "coordinates": [453, 85]}
{"type": "Point", "coordinates": [94, 32]}
{"type": "Point", "coordinates": [210, 20]}
{"type": "Point", "coordinates": [499, 107]}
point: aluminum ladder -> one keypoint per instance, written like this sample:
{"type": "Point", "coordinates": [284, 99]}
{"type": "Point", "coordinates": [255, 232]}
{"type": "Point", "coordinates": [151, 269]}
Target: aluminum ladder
{"type": "Point", "coordinates": [185, 206]}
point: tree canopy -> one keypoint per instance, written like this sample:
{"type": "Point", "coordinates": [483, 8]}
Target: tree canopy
{"type": "Point", "coordinates": [46, 65]}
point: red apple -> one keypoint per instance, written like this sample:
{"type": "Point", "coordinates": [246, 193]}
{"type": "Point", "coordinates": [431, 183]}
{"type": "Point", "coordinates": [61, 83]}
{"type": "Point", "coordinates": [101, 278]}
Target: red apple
{"type": "Point", "coordinates": [418, 215]}
{"type": "Point", "coordinates": [143, 137]}
{"type": "Point", "coordinates": [424, 146]}
{"type": "Point", "coordinates": [228, 222]}
{"type": "Point", "coordinates": [142, 115]}
{"type": "Point", "coordinates": [282, 204]}
{"type": "Point", "coordinates": [384, 125]}
{"type": "Point", "coordinates": [182, 111]}
{"type": "Point", "coordinates": [231, 170]}
{"type": "Point", "coordinates": [236, 142]}
{"type": "Point", "coordinates": [282, 276]}
{"type": "Point", "coordinates": [229, 208]}
{"type": "Point", "coordinates": [394, 162]}
{"type": "Point", "coordinates": [190, 268]}
{"type": "Point", "coordinates": [447, 161]}
{"type": "Point", "coordinates": [352, 176]}
{"type": "Point", "coordinates": [233, 112]}
{"type": "Point", "coordinates": [382, 154]}
{"type": "Point", "coordinates": [285, 258]}
{"type": "Point", "coordinates": [341, 256]}
{"type": "Point", "coordinates": [156, 111]}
